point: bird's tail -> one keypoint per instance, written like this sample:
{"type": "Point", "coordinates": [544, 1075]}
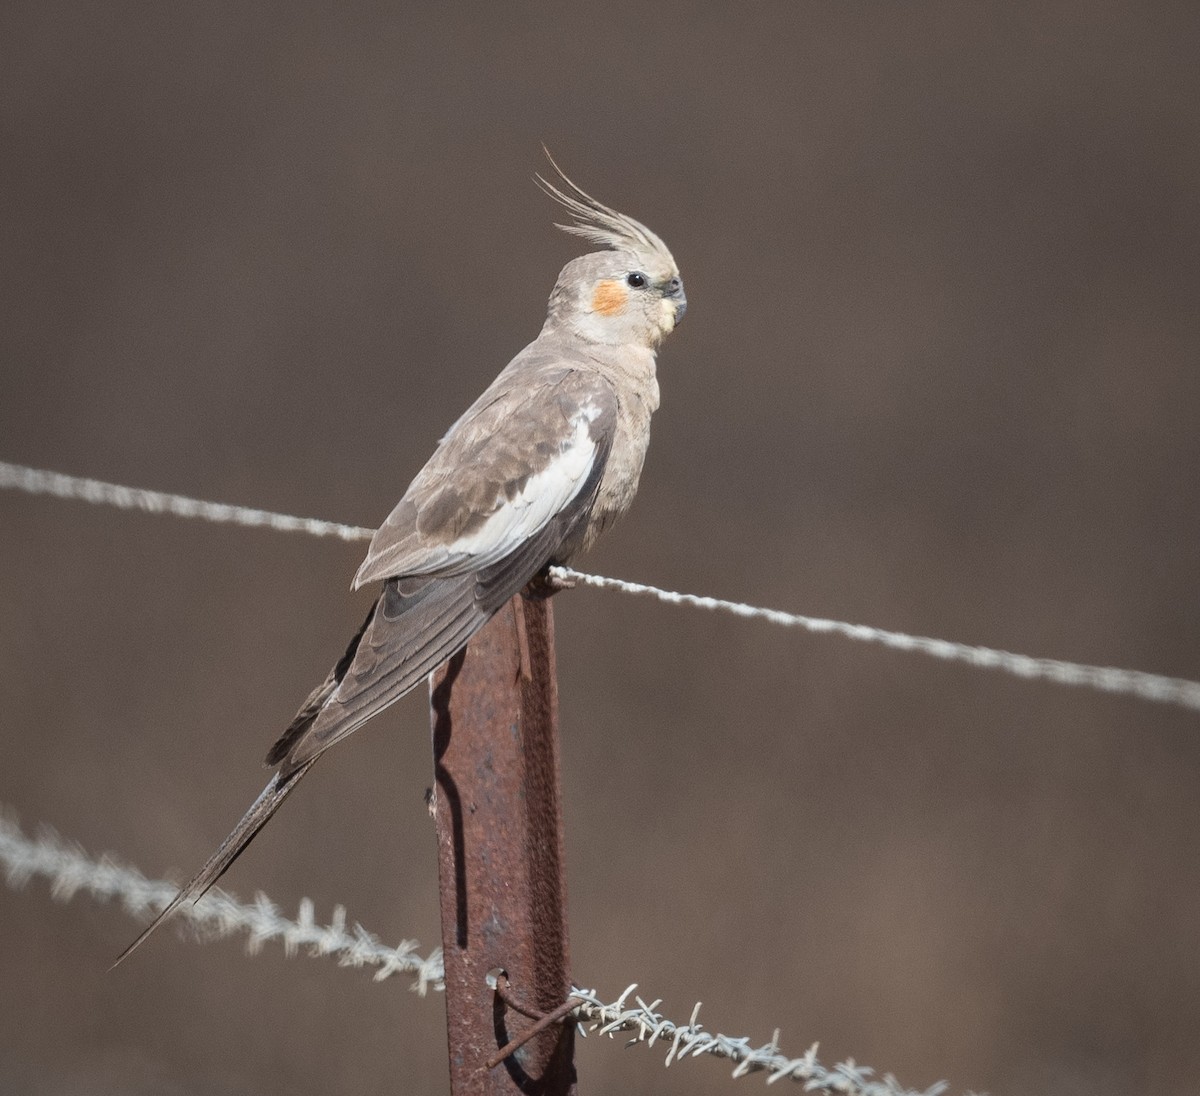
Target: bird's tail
{"type": "Point", "coordinates": [231, 848]}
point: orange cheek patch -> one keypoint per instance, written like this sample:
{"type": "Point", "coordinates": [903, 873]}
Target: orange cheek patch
{"type": "Point", "coordinates": [609, 298]}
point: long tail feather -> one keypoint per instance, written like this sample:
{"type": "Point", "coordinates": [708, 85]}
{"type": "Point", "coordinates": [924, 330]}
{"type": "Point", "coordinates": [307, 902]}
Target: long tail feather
{"type": "Point", "coordinates": [231, 848]}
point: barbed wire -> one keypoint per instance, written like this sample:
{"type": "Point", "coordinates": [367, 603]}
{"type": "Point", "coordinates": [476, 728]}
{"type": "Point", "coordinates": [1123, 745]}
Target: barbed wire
{"type": "Point", "coordinates": [692, 1040]}
{"type": "Point", "coordinates": [71, 871]}
{"type": "Point", "coordinates": [1156, 688]}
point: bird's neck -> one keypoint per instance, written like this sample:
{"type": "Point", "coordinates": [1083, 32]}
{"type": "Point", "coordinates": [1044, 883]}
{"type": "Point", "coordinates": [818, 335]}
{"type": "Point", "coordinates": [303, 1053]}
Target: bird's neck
{"type": "Point", "coordinates": [631, 369]}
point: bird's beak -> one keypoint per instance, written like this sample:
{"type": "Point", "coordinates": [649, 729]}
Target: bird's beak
{"type": "Point", "coordinates": [673, 292]}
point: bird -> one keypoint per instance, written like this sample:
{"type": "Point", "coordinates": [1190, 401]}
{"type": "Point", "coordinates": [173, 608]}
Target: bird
{"type": "Point", "coordinates": [528, 477]}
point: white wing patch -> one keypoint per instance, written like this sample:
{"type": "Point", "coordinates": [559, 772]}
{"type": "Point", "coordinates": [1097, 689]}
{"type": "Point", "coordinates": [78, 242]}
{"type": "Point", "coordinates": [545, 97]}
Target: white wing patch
{"type": "Point", "coordinates": [517, 519]}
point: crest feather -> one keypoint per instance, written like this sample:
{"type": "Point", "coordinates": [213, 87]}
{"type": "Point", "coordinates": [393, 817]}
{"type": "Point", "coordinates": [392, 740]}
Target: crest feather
{"type": "Point", "coordinates": [599, 223]}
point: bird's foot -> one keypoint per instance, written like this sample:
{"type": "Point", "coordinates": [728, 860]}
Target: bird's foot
{"type": "Point", "coordinates": [546, 584]}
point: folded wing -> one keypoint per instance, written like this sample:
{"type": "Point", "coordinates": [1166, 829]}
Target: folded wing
{"type": "Point", "coordinates": [512, 483]}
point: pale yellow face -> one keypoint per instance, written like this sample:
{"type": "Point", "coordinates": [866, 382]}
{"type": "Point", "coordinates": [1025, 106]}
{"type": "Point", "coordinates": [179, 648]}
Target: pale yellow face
{"type": "Point", "coordinates": [611, 298]}
{"type": "Point", "coordinates": [619, 298]}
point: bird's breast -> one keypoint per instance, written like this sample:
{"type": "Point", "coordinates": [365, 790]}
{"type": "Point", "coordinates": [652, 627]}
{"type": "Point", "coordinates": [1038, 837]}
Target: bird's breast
{"type": "Point", "coordinates": [636, 402]}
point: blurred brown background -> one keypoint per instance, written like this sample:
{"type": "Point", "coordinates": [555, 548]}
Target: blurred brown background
{"type": "Point", "coordinates": [939, 375]}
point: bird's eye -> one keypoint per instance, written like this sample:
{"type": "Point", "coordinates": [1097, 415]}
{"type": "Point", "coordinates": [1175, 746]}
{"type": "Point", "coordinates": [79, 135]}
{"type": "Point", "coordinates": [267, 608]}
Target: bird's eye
{"type": "Point", "coordinates": [637, 280]}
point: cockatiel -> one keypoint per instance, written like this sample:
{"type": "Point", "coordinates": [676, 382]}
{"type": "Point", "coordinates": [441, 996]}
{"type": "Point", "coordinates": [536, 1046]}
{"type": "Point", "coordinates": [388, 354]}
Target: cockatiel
{"type": "Point", "coordinates": [528, 477]}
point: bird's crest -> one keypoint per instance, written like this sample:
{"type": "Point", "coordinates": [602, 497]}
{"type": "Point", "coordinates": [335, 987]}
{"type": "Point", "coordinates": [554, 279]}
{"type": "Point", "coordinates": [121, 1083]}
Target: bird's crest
{"type": "Point", "coordinates": [599, 223]}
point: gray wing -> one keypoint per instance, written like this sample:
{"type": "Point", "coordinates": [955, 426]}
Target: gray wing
{"type": "Point", "coordinates": [521, 453]}
{"type": "Point", "coordinates": [473, 530]}
{"type": "Point", "coordinates": [513, 481]}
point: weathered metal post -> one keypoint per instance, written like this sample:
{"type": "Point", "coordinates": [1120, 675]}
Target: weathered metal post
{"type": "Point", "coordinates": [497, 808]}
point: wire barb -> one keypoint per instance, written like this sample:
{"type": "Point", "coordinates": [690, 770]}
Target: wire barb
{"type": "Point", "coordinates": [71, 871]}
{"type": "Point", "coordinates": [218, 914]}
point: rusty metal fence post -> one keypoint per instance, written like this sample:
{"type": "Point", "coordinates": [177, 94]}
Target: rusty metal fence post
{"type": "Point", "coordinates": [497, 809]}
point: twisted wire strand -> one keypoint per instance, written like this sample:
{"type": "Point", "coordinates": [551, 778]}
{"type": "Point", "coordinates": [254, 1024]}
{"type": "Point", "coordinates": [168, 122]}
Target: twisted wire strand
{"type": "Point", "coordinates": [1105, 679]}
{"type": "Point", "coordinates": [38, 481]}
{"type": "Point", "coordinates": [71, 871]}
{"type": "Point", "coordinates": [1156, 688]}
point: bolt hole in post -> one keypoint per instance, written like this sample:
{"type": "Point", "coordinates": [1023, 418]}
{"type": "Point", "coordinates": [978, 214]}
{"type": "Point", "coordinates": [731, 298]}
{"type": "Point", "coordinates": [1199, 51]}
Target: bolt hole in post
{"type": "Point", "coordinates": [498, 813]}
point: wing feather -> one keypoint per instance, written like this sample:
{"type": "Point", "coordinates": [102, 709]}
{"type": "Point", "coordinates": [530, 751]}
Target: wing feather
{"type": "Point", "coordinates": [419, 622]}
{"type": "Point", "coordinates": [517, 457]}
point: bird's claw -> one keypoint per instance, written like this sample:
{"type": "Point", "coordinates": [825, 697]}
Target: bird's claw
{"type": "Point", "coordinates": [546, 584]}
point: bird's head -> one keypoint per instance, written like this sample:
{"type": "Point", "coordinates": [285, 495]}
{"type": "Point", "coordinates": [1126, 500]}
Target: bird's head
{"type": "Point", "coordinates": [630, 294]}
